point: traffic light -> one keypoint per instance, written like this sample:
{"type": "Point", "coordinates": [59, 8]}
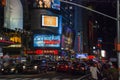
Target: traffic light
{"type": "Point", "coordinates": [99, 44]}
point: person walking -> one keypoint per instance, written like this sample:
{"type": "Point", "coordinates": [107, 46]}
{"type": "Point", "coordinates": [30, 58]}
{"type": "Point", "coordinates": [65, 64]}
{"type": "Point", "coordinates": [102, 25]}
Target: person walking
{"type": "Point", "coordinates": [100, 74]}
{"type": "Point", "coordinates": [94, 71]}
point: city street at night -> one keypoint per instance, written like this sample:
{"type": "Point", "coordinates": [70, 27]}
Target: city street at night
{"type": "Point", "coordinates": [59, 39]}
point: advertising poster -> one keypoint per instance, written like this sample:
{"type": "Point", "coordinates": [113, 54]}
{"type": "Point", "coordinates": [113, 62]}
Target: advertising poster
{"type": "Point", "coordinates": [54, 4]}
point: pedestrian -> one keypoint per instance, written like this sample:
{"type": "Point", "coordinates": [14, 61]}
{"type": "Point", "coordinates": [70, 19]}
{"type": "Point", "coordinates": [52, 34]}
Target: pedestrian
{"type": "Point", "coordinates": [110, 64]}
{"type": "Point", "coordinates": [100, 74]}
{"type": "Point", "coordinates": [94, 71]}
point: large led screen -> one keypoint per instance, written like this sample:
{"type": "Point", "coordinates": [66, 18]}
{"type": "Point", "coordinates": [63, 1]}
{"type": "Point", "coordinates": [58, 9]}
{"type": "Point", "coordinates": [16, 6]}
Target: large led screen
{"type": "Point", "coordinates": [47, 41]}
{"type": "Point", "coordinates": [49, 21]}
{"type": "Point", "coordinates": [54, 4]}
{"type": "Point", "coordinates": [13, 14]}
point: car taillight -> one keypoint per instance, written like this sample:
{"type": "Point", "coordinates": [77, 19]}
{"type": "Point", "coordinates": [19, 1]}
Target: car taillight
{"type": "Point", "coordinates": [72, 67]}
{"type": "Point", "coordinates": [66, 66]}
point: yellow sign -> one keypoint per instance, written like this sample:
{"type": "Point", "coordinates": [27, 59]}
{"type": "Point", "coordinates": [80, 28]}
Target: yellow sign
{"type": "Point", "coordinates": [15, 39]}
{"type": "Point", "coordinates": [50, 21]}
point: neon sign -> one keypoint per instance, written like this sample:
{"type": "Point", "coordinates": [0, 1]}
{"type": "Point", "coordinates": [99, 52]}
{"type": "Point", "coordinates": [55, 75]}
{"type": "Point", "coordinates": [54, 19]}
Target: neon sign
{"type": "Point", "coordinates": [41, 40]}
{"type": "Point", "coordinates": [40, 51]}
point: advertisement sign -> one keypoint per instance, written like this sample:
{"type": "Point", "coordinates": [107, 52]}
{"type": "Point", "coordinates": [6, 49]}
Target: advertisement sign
{"type": "Point", "coordinates": [49, 21]}
{"type": "Point", "coordinates": [56, 4]}
{"type": "Point", "coordinates": [81, 56]}
{"type": "Point", "coordinates": [67, 38]}
{"type": "Point", "coordinates": [40, 51]}
{"type": "Point", "coordinates": [53, 4]}
{"type": "Point", "coordinates": [43, 40]}
{"type": "Point", "coordinates": [15, 39]}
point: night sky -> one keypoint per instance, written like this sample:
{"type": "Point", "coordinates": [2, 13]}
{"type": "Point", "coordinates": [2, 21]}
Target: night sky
{"type": "Point", "coordinates": [108, 27]}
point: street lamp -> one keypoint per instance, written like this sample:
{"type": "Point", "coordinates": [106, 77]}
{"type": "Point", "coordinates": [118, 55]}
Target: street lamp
{"type": "Point", "coordinates": [118, 34]}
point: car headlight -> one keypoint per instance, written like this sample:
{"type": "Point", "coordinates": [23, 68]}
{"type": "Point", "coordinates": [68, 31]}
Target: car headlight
{"type": "Point", "coordinates": [12, 69]}
{"type": "Point", "coordinates": [35, 67]}
{"type": "Point", "coordinates": [2, 69]}
{"type": "Point", "coordinates": [24, 67]}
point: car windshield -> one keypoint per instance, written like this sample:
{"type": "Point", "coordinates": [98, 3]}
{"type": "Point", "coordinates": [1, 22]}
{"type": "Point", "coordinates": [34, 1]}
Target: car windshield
{"type": "Point", "coordinates": [63, 62]}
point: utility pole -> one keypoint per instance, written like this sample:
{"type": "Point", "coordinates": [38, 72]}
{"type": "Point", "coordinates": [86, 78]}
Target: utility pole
{"type": "Point", "coordinates": [118, 35]}
{"type": "Point", "coordinates": [116, 19]}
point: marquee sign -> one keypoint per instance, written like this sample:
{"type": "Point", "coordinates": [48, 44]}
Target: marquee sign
{"type": "Point", "coordinates": [41, 51]}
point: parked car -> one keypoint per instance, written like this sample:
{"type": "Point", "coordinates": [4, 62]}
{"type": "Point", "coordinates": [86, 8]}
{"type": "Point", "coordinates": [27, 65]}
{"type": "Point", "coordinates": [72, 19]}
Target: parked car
{"type": "Point", "coordinates": [63, 66]}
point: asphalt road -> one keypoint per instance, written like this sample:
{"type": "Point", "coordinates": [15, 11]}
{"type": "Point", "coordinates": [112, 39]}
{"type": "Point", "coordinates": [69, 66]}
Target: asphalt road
{"type": "Point", "coordinates": [42, 76]}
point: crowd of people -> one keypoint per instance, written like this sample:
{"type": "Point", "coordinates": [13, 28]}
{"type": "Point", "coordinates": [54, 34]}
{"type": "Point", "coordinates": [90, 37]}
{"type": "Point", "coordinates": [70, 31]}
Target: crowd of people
{"type": "Point", "coordinates": [103, 70]}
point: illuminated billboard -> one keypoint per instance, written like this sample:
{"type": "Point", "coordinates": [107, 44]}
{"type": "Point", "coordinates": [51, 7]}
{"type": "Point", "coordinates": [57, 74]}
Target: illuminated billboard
{"type": "Point", "coordinates": [49, 21]}
{"type": "Point", "coordinates": [67, 38]}
{"type": "Point", "coordinates": [53, 4]}
{"type": "Point", "coordinates": [81, 55]}
{"type": "Point", "coordinates": [56, 4]}
{"type": "Point", "coordinates": [43, 40]}
{"type": "Point", "coordinates": [13, 14]}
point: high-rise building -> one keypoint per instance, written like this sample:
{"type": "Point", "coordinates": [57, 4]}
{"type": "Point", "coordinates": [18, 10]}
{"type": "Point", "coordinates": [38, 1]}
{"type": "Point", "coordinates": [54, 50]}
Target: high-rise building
{"type": "Point", "coordinates": [81, 21]}
{"type": "Point", "coordinates": [67, 11]}
{"type": "Point", "coordinates": [73, 18]}
{"type": "Point", "coordinates": [1, 14]}
{"type": "Point", "coordinates": [68, 34]}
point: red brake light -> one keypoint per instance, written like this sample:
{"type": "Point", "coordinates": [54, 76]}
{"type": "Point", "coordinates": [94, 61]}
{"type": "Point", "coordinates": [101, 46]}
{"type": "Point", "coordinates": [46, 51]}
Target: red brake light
{"type": "Point", "coordinates": [72, 67]}
{"type": "Point", "coordinates": [66, 66]}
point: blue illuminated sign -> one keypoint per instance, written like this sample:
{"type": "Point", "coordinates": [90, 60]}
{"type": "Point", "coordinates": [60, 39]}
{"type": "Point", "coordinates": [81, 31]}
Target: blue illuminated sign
{"type": "Point", "coordinates": [42, 40]}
